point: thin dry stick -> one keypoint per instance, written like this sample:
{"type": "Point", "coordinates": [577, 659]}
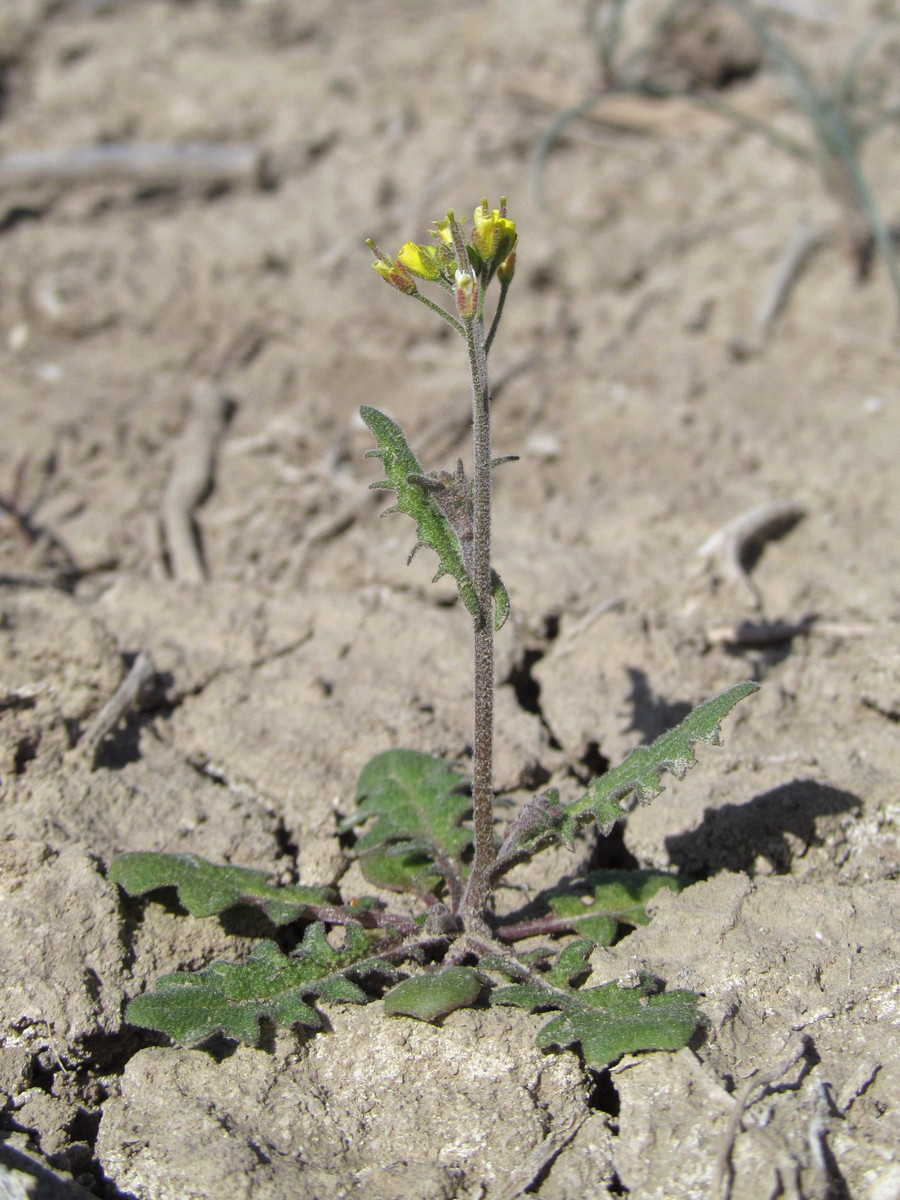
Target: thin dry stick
{"type": "Point", "coordinates": [150, 164]}
{"type": "Point", "coordinates": [722, 1178]}
{"type": "Point", "coordinates": [730, 545]}
{"type": "Point", "coordinates": [804, 240]}
{"type": "Point", "coordinates": [191, 478]}
{"type": "Point", "coordinates": [122, 701]}
{"type": "Point", "coordinates": [816, 1138]}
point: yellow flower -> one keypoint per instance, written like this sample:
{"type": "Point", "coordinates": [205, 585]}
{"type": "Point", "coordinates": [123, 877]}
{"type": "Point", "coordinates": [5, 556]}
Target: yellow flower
{"type": "Point", "coordinates": [396, 274]}
{"type": "Point", "coordinates": [443, 232]}
{"type": "Point", "coordinates": [419, 260]}
{"type": "Point", "coordinates": [494, 236]}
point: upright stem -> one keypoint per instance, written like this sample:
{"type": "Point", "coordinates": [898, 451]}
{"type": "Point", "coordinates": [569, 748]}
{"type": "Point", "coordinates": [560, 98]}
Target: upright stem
{"type": "Point", "coordinates": [478, 887]}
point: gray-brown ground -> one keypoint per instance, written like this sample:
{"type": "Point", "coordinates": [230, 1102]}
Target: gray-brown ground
{"type": "Point", "coordinates": [649, 412]}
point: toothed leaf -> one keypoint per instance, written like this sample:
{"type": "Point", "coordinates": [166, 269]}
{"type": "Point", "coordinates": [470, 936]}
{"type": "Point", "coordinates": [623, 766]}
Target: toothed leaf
{"type": "Point", "coordinates": [232, 998]}
{"type": "Point", "coordinates": [434, 528]}
{"type": "Point", "coordinates": [417, 804]}
{"type": "Point", "coordinates": [206, 889]}
{"type": "Point", "coordinates": [428, 997]}
{"type": "Point", "coordinates": [606, 899]}
{"type": "Point", "coordinates": [672, 751]}
{"type": "Point", "coordinates": [609, 1021]}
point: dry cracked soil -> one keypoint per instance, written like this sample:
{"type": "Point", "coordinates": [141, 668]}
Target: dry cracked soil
{"type": "Point", "coordinates": [185, 191]}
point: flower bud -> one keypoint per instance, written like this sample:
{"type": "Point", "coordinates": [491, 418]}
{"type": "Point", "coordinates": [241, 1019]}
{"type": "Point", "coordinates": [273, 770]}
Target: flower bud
{"type": "Point", "coordinates": [466, 295]}
{"type": "Point", "coordinates": [507, 269]}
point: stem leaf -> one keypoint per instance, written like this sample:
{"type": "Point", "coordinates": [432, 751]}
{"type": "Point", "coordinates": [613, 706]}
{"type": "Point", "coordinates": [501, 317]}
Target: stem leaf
{"type": "Point", "coordinates": [206, 889]}
{"type": "Point", "coordinates": [672, 751]}
{"type": "Point", "coordinates": [434, 529]}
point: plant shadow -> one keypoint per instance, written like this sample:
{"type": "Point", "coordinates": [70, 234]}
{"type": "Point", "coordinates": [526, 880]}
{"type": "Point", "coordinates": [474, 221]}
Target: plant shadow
{"type": "Point", "coordinates": [777, 826]}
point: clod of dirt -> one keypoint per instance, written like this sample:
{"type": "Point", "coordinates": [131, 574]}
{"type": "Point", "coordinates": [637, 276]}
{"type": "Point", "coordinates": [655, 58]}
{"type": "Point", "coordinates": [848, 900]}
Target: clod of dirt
{"type": "Point", "coordinates": [59, 665]}
{"type": "Point", "coordinates": [775, 961]}
{"type": "Point", "coordinates": [705, 45]}
{"type": "Point", "coordinates": [60, 948]}
{"type": "Point", "coordinates": [377, 1109]}
{"type": "Point", "coordinates": [25, 1175]}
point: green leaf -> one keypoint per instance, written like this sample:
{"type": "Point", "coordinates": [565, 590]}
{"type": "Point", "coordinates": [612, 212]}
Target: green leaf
{"type": "Point", "coordinates": [417, 804]}
{"type": "Point", "coordinates": [672, 751]}
{"type": "Point", "coordinates": [608, 1021]}
{"type": "Point", "coordinates": [434, 529]}
{"type": "Point", "coordinates": [428, 997]}
{"type": "Point", "coordinates": [408, 872]}
{"type": "Point", "coordinates": [232, 998]}
{"type": "Point", "coordinates": [501, 600]}
{"type": "Point", "coordinates": [604, 900]}
{"type": "Point", "coordinates": [571, 963]}
{"type": "Point", "coordinates": [206, 889]}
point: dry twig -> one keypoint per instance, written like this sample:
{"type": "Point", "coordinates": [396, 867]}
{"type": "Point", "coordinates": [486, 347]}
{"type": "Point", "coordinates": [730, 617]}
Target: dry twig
{"type": "Point", "coordinates": [537, 1161]}
{"type": "Point", "coordinates": [122, 700]}
{"type": "Point", "coordinates": [191, 479]}
{"type": "Point", "coordinates": [775, 633]}
{"type": "Point", "coordinates": [730, 546]}
{"type": "Point", "coordinates": [148, 164]}
{"type": "Point", "coordinates": [801, 245]}
{"type": "Point", "coordinates": [762, 1080]}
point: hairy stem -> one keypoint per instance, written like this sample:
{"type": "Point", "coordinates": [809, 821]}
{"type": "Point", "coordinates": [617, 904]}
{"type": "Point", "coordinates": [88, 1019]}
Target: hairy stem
{"type": "Point", "coordinates": [483, 742]}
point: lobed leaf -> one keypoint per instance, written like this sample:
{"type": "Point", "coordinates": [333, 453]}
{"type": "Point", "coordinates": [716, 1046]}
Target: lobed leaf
{"type": "Point", "coordinates": [606, 899]}
{"type": "Point", "coordinates": [418, 804]}
{"type": "Point", "coordinates": [672, 751]}
{"type": "Point", "coordinates": [233, 998]}
{"type": "Point", "coordinates": [428, 997]}
{"type": "Point", "coordinates": [434, 529]}
{"type": "Point", "coordinates": [205, 889]}
{"type": "Point", "coordinates": [608, 1021]}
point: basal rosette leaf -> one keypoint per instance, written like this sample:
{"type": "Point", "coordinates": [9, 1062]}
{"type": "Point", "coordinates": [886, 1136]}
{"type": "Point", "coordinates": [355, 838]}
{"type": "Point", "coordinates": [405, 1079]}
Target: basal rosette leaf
{"type": "Point", "coordinates": [406, 871]}
{"type": "Point", "coordinates": [205, 888]}
{"type": "Point", "coordinates": [604, 900]}
{"type": "Point", "coordinates": [232, 998]}
{"type": "Point", "coordinates": [416, 803]}
{"type": "Point", "coordinates": [433, 528]}
{"type": "Point", "coordinates": [429, 997]}
{"type": "Point", "coordinates": [672, 751]}
{"type": "Point", "coordinates": [607, 1021]}
{"type": "Point", "coordinates": [571, 964]}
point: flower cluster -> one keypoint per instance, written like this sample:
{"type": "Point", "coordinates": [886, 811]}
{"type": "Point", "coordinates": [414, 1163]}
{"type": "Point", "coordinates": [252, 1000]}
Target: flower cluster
{"type": "Point", "coordinates": [462, 267]}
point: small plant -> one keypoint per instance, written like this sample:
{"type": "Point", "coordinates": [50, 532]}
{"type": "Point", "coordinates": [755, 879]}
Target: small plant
{"type": "Point", "coordinates": [422, 827]}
